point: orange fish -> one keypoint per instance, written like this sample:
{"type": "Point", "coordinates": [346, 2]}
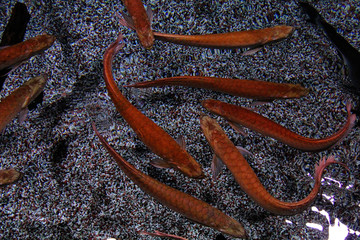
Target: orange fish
{"type": "Point", "coordinates": [140, 22]}
{"type": "Point", "coordinates": [242, 116]}
{"type": "Point", "coordinates": [13, 55]}
{"type": "Point", "coordinates": [231, 40]}
{"type": "Point", "coordinates": [9, 176]}
{"type": "Point", "coordinates": [185, 204]}
{"type": "Point", "coordinates": [254, 89]}
{"type": "Point", "coordinates": [225, 150]}
{"type": "Point", "coordinates": [161, 143]}
{"type": "Point", "coordinates": [19, 99]}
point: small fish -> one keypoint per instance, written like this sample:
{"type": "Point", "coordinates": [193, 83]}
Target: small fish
{"type": "Point", "coordinates": [9, 176]}
{"type": "Point", "coordinates": [349, 54]}
{"type": "Point", "coordinates": [267, 127]}
{"type": "Point", "coordinates": [13, 55]}
{"type": "Point", "coordinates": [162, 144]}
{"type": "Point", "coordinates": [231, 40]}
{"type": "Point", "coordinates": [140, 22]}
{"type": "Point", "coordinates": [19, 99]}
{"type": "Point", "coordinates": [254, 89]}
{"type": "Point", "coordinates": [225, 150]}
{"type": "Point", "coordinates": [185, 204]}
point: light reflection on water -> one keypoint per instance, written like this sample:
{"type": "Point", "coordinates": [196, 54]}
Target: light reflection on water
{"type": "Point", "coordinates": [337, 231]}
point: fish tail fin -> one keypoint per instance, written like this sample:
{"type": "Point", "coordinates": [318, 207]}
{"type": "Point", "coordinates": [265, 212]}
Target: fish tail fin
{"type": "Point", "coordinates": [323, 163]}
{"type": "Point", "coordinates": [150, 14]}
{"type": "Point", "coordinates": [126, 20]}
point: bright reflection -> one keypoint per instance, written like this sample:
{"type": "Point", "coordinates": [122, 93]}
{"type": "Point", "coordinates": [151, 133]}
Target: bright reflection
{"type": "Point", "coordinates": [315, 225]}
{"type": "Point", "coordinates": [337, 231]}
{"type": "Point", "coordinates": [330, 198]}
{"type": "Point", "coordinates": [333, 180]}
{"type": "Point", "coordinates": [288, 221]}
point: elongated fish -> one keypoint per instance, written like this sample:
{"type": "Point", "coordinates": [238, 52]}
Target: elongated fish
{"type": "Point", "coordinates": [254, 89]}
{"type": "Point", "coordinates": [154, 137]}
{"type": "Point", "coordinates": [19, 99]}
{"type": "Point", "coordinates": [350, 55]}
{"type": "Point", "coordinates": [185, 204]}
{"type": "Point", "coordinates": [231, 40]}
{"type": "Point", "coordinates": [244, 175]}
{"type": "Point", "coordinates": [239, 115]}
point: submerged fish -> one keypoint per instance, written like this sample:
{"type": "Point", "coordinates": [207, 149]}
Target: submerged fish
{"type": "Point", "coordinates": [14, 32]}
{"type": "Point", "coordinates": [19, 99]}
{"type": "Point", "coordinates": [231, 40]}
{"type": "Point", "coordinates": [254, 89]}
{"type": "Point", "coordinates": [155, 138]}
{"type": "Point", "coordinates": [13, 55]}
{"type": "Point", "coordinates": [185, 204]}
{"type": "Point", "coordinates": [244, 117]}
{"type": "Point", "coordinates": [244, 175]}
{"type": "Point", "coordinates": [9, 176]}
{"type": "Point", "coordinates": [349, 54]}
{"type": "Point", "coordinates": [140, 22]}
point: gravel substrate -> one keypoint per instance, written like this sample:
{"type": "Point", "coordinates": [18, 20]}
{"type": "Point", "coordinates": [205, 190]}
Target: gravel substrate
{"type": "Point", "coordinates": [72, 189]}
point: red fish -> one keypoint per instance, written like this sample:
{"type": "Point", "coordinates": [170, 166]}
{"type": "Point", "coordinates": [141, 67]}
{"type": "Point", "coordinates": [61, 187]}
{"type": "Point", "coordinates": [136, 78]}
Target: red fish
{"type": "Point", "coordinates": [13, 55]}
{"type": "Point", "coordinates": [254, 89]}
{"type": "Point", "coordinates": [242, 116]}
{"type": "Point", "coordinates": [225, 150]}
{"type": "Point", "coordinates": [185, 204]}
{"type": "Point", "coordinates": [154, 137]}
{"type": "Point", "coordinates": [19, 99]}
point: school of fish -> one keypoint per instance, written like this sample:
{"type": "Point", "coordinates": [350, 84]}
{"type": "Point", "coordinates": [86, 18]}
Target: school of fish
{"type": "Point", "coordinates": [172, 153]}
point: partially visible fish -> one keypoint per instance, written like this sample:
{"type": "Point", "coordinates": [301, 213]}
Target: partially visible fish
{"type": "Point", "coordinates": [9, 176]}
{"type": "Point", "coordinates": [13, 55]}
{"type": "Point", "coordinates": [231, 40]}
{"type": "Point", "coordinates": [260, 90]}
{"type": "Point", "coordinates": [154, 137]}
{"type": "Point", "coordinates": [14, 32]}
{"type": "Point", "coordinates": [15, 29]}
{"type": "Point", "coordinates": [185, 204]}
{"type": "Point", "coordinates": [244, 175]}
{"type": "Point", "coordinates": [239, 115]}
{"type": "Point", "coordinates": [349, 54]}
{"type": "Point", "coordinates": [140, 22]}
{"type": "Point", "coordinates": [19, 99]}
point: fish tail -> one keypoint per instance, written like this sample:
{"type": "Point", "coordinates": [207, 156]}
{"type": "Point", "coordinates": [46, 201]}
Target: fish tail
{"type": "Point", "coordinates": [323, 163]}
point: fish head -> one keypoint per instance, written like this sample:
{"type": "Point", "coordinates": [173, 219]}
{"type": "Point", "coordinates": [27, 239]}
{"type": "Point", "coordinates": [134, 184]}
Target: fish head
{"type": "Point", "coordinates": [212, 106]}
{"type": "Point", "coordinates": [191, 169]}
{"type": "Point", "coordinates": [234, 228]}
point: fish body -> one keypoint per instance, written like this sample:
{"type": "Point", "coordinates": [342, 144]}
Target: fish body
{"type": "Point", "coordinates": [151, 134]}
{"type": "Point", "coordinates": [20, 98]}
{"type": "Point", "coordinates": [245, 176]}
{"type": "Point", "coordinates": [267, 127]}
{"type": "Point", "coordinates": [349, 54]}
{"type": "Point", "coordinates": [13, 55]}
{"type": "Point", "coordinates": [188, 206]}
{"type": "Point", "coordinates": [141, 22]}
{"type": "Point", "coordinates": [231, 40]}
{"type": "Point", "coordinates": [254, 89]}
